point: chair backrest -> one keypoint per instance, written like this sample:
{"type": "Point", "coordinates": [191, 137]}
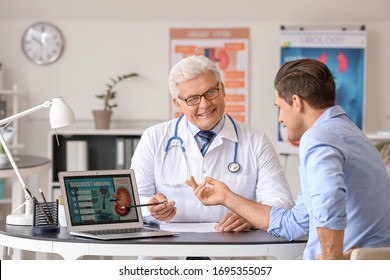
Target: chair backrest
{"type": "Point", "coordinates": [371, 254]}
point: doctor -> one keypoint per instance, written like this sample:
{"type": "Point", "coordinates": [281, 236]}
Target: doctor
{"type": "Point", "coordinates": [236, 154]}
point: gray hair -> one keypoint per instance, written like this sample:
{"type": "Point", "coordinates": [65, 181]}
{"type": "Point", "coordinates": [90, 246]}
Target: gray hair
{"type": "Point", "coordinates": [189, 68]}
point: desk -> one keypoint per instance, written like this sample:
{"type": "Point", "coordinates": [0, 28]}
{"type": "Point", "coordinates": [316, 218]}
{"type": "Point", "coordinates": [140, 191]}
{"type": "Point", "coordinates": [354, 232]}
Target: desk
{"type": "Point", "coordinates": [253, 243]}
{"type": "Point", "coordinates": [28, 166]}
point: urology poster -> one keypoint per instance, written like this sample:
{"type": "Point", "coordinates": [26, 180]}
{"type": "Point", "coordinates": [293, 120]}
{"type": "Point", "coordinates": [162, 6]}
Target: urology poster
{"type": "Point", "coordinates": [229, 49]}
{"type": "Point", "coordinates": [344, 53]}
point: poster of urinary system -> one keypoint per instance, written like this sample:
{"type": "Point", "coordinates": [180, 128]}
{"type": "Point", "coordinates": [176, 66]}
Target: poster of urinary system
{"type": "Point", "coordinates": [229, 48]}
{"type": "Point", "coordinates": [344, 54]}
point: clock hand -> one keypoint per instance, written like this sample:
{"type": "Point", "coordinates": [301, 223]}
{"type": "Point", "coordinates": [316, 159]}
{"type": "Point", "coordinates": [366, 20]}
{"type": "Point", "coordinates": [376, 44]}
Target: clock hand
{"type": "Point", "coordinates": [39, 41]}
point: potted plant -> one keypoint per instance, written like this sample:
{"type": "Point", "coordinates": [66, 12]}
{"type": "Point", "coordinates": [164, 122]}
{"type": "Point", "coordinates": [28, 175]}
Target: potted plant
{"type": "Point", "coordinates": [103, 117]}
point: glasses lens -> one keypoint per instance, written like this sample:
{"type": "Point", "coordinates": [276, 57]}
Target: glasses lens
{"type": "Point", "coordinates": [193, 100]}
{"type": "Point", "coordinates": [211, 94]}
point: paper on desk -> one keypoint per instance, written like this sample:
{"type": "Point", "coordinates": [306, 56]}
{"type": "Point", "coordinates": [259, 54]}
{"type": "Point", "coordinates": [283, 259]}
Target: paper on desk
{"type": "Point", "coordinates": [189, 227]}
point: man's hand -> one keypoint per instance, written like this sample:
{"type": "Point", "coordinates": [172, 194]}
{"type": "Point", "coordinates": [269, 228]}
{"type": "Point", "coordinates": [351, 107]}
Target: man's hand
{"type": "Point", "coordinates": [213, 192]}
{"type": "Point", "coordinates": [210, 192]}
{"type": "Point", "coordinates": [233, 222]}
{"type": "Point", "coordinates": [346, 255]}
{"type": "Point", "coordinates": [163, 212]}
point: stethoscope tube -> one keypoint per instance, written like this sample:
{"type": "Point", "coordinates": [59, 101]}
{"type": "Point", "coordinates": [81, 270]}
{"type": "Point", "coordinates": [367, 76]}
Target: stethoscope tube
{"type": "Point", "coordinates": [233, 167]}
{"type": "Point", "coordinates": [175, 137]}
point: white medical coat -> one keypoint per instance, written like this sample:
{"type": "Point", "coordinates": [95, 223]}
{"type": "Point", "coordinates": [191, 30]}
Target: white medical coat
{"type": "Point", "coordinates": [261, 177]}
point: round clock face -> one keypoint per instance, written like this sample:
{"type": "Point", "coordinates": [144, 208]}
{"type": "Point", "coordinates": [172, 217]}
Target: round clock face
{"type": "Point", "coordinates": [42, 43]}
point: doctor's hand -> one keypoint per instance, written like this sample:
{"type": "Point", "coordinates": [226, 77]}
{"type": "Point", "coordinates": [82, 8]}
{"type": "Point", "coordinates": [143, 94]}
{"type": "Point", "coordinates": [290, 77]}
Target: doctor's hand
{"type": "Point", "coordinates": [163, 212]}
{"type": "Point", "coordinates": [210, 192]}
{"type": "Point", "coordinates": [233, 222]}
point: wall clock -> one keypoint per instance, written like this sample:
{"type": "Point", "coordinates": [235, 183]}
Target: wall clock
{"type": "Point", "coordinates": [43, 43]}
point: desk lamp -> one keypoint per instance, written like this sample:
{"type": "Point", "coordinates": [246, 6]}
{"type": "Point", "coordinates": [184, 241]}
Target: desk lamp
{"type": "Point", "coordinates": [60, 115]}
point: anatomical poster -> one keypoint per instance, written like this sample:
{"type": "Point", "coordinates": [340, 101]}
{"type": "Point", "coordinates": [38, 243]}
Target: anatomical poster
{"type": "Point", "coordinates": [229, 49]}
{"type": "Point", "coordinates": [343, 52]}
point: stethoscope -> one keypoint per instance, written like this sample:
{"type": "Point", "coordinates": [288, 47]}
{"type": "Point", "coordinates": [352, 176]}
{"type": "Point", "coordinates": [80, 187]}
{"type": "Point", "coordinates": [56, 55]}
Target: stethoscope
{"type": "Point", "coordinates": [233, 167]}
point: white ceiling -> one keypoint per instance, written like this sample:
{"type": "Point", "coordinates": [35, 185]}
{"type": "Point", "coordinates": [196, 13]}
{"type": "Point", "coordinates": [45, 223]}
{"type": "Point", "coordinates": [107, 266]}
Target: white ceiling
{"type": "Point", "coordinates": [327, 11]}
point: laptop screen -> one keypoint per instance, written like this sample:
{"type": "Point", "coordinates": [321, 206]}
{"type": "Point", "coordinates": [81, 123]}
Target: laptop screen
{"type": "Point", "coordinates": [100, 199]}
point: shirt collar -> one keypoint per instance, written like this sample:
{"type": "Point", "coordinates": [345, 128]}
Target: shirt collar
{"type": "Point", "coordinates": [194, 129]}
{"type": "Point", "coordinates": [330, 113]}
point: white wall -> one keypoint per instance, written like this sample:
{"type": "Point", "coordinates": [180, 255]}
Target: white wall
{"type": "Point", "coordinates": [107, 38]}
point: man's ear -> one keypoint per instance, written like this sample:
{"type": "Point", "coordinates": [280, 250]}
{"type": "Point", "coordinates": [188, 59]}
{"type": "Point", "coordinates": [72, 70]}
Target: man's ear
{"type": "Point", "coordinates": [177, 104]}
{"type": "Point", "coordinates": [298, 103]}
{"type": "Point", "coordinates": [223, 90]}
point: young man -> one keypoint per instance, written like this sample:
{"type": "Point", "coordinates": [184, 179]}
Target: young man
{"type": "Point", "coordinates": [236, 153]}
{"type": "Point", "coordinates": [345, 187]}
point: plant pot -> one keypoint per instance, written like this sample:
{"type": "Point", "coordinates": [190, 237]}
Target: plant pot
{"type": "Point", "coordinates": [102, 119]}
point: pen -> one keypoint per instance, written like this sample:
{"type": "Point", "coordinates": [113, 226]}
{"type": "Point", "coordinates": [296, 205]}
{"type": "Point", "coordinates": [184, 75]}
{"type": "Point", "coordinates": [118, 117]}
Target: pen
{"type": "Point", "coordinates": [29, 193]}
{"type": "Point", "coordinates": [43, 195]}
{"type": "Point", "coordinates": [148, 204]}
{"type": "Point", "coordinates": [47, 206]}
{"type": "Point", "coordinates": [39, 205]}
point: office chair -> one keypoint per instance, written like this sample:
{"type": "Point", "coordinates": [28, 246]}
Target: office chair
{"type": "Point", "coordinates": [371, 254]}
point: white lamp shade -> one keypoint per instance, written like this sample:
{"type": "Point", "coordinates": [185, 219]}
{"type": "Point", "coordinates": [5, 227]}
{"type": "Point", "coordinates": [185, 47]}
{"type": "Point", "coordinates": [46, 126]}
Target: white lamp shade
{"type": "Point", "coordinates": [60, 113]}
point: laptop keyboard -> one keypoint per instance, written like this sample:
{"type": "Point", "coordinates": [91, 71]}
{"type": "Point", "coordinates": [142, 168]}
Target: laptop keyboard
{"type": "Point", "coordinates": [121, 231]}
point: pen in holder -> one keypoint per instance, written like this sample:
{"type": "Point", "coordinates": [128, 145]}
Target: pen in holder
{"type": "Point", "coordinates": [45, 217]}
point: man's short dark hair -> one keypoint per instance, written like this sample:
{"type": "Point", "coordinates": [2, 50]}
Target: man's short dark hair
{"type": "Point", "coordinates": [308, 78]}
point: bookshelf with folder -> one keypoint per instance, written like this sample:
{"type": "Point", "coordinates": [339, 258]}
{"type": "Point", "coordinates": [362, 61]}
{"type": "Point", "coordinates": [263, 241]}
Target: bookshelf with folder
{"type": "Point", "coordinates": [9, 105]}
{"type": "Point", "coordinates": [90, 150]}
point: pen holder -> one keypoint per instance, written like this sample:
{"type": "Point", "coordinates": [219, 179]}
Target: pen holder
{"type": "Point", "coordinates": [45, 217]}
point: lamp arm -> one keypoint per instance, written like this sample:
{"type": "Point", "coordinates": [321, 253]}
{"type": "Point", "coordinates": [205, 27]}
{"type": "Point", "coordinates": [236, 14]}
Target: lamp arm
{"type": "Point", "coordinates": [25, 113]}
{"type": "Point", "coordinates": [60, 115]}
{"type": "Point", "coordinates": [12, 161]}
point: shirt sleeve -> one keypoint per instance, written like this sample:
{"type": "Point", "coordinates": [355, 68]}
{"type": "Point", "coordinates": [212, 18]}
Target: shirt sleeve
{"type": "Point", "coordinates": [289, 224]}
{"type": "Point", "coordinates": [322, 162]}
{"type": "Point", "coordinates": [272, 188]}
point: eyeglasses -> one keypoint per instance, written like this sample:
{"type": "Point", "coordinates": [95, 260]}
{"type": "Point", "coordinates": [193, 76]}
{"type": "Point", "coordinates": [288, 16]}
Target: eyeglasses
{"type": "Point", "coordinates": [195, 99]}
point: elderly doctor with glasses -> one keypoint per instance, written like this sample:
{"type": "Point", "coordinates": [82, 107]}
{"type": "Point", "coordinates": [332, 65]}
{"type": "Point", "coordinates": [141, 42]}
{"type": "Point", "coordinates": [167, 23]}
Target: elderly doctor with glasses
{"type": "Point", "coordinates": [205, 141]}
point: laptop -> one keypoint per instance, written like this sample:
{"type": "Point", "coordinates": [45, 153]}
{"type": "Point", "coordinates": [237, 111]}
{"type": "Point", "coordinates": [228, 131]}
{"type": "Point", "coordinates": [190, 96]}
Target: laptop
{"type": "Point", "coordinates": [104, 204]}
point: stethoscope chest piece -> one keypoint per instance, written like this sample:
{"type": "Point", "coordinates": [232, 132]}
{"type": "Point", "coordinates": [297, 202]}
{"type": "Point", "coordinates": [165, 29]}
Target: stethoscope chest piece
{"type": "Point", "coordinates": [234, 167]}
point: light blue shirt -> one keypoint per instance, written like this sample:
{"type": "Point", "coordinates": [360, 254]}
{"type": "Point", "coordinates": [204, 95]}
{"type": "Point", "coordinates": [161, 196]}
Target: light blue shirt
{"type": "Point", "coordinates": [345, 186]}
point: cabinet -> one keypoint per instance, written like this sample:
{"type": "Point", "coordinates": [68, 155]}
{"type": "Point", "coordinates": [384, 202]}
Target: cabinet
{"type": "Point", "coordinates": [9, 105]}
{"type": "Point", "coordinates": [90, 150]}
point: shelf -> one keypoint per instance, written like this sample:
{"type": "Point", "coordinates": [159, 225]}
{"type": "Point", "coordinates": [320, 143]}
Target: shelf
{"type": "Point", "coordinates": [379, 136]}
{"type": "Point", "coordinates": [6, 201]}
{"type": "Point", "coordinates": [11, 98]}
{"type": "Point", "coordinates": [129, 132]}
{"type": "Point", "coordinates": [91, 149]}
{"type": "Point", "coordinates": [10, 92]}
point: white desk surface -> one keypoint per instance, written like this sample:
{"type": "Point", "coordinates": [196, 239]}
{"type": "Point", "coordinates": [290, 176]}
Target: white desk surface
{"type": "Point", "coordinates": [253, 243]}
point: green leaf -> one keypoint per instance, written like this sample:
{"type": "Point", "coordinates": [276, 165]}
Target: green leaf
{"type": "Point", "coordinates": [110, 94]}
